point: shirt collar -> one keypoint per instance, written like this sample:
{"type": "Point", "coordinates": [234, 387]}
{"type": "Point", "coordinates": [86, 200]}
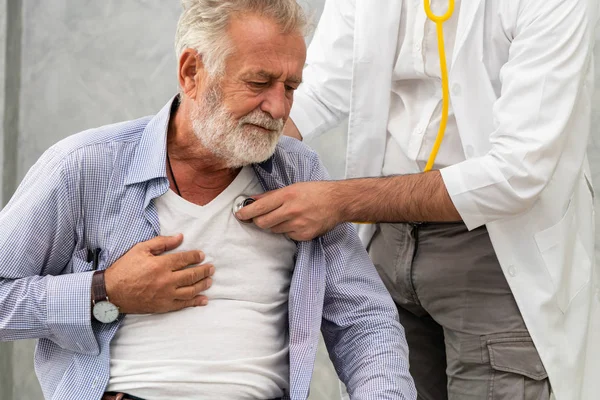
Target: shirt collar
{"type": "Point", "coordinates": [149, 161]}
{"type": "Point", "coordinates": [267, 165]}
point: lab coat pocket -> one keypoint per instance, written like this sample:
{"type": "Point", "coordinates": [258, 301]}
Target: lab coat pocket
{"type": "Point", "coordinates": [565, 257]}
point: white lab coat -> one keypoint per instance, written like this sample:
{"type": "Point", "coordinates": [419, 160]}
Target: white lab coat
{"type": "Point", "coordinates": [521, 87]}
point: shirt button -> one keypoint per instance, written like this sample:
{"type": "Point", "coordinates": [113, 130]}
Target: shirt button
{"type": "Point", "coordinates": [417, 47]}
{"type": "Point", "coordinates": [456, 89]}
{"type": "Point", "coordinates": [512, 271]}
{"type": "Point", "coordinates": [95, 383]}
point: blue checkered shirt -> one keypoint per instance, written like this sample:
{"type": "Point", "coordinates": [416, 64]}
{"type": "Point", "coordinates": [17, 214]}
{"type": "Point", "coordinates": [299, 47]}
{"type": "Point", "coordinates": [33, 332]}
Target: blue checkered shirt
{"type": "Point", "coordinates": [96, 190]}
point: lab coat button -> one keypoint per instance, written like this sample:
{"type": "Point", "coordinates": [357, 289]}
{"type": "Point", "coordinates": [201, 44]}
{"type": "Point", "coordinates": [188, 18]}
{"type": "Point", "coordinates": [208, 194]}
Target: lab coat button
{"type": "Point", "coordinates": [456, 89]}
{"type": "Point", "coordinates": [417, 47]}
{"type": "Point", "coordinates": [512, 271]}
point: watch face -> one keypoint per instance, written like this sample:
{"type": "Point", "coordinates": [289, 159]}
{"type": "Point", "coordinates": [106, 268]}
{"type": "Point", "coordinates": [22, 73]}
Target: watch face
{"type": "Point", "coordinates": [106, 312]}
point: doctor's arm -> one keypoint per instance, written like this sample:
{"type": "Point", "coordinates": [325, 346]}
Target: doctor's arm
{"type": "Point", "coordinates": [323, 100]}
{"type": "Point", "coordinates": [543, 84]}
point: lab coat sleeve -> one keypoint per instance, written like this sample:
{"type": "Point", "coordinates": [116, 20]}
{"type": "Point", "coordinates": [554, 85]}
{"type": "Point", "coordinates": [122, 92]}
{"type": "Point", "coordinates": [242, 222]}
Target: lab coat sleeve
{"type": "Point", "coordinates": [323, 99]}
{"type": "Point", "coordinates": [360, 322]}
{"type": "Point", "coordinates": [39, 298]}
{"type": "Point", "coordinates": [542, 83]}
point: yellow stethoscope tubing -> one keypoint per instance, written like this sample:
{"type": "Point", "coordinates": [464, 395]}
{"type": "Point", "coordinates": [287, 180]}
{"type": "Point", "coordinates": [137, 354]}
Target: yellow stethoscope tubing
{"type": "Point", "coordinates": [439, 23]}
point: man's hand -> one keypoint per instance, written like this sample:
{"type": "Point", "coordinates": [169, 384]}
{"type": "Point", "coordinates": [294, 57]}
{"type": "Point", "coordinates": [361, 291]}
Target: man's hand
{"type": "Point", "coordinates": [144, 280]}
{"type": "Point", "coordinates": [302, 211]}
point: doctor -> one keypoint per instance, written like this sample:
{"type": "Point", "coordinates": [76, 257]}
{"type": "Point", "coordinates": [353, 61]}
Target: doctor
{"type": "Point", "coordinates": [490, 257]}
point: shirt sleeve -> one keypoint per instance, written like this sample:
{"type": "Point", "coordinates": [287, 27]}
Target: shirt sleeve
{"type": "Point", "coordinates": [323, 100]}
{"type": "Point", "coordinates": [360, 322]}
{"type": "Point", "coordinates": [539, 116]}
{"type": "Point", "coordinates": [40, 296]}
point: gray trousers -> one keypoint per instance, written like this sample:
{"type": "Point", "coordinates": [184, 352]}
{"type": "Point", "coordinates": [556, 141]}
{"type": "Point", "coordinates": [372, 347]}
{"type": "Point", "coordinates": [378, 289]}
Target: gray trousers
{"type": "Point", "coordinates": [466, 337]}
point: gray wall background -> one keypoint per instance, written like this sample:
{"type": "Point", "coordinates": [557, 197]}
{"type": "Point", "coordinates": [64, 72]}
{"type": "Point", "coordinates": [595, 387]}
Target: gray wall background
{"type": "Point", "coordinates": [68, 65]}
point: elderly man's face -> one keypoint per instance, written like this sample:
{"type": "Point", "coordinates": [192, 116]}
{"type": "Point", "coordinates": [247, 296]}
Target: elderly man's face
{"type": "Point", "coordinates": [240, 116]}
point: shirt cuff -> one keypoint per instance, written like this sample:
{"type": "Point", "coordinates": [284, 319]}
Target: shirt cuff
{"type": "Point", "coordinates": [69, 312]}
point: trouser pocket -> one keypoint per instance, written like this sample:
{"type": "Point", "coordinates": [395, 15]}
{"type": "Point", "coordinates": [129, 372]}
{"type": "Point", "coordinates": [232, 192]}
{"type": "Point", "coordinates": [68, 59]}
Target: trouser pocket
{"type": "Point", "coordinates": [517, 371]}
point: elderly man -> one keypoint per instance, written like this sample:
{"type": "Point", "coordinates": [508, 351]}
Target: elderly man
{"type": "Point", "coordinates": [118, 309]}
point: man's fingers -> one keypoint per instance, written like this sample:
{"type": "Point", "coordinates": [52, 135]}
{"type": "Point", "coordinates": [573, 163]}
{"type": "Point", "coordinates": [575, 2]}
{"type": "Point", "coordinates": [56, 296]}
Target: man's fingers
{"type": "Point", "coordinates": [161, 244]}
{"type": "Point", "coordinates": [181, 260]}
{"type": "Point", "coordinates": [198, 301]}
{"type": "Point", "coordinates": [190, 292]}
{"type": "Point", "coordinates": [264, 204]}
{"type": "Point", "coordinates": [191, 276]}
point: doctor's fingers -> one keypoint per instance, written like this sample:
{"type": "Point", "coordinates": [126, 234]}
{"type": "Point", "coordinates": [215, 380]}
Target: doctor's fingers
{"type": "Point", "coordinates": [298, 229]}
{"type": "Point", "coordinates": [274, 218]}
{"type": "Point", "coordinates": [264, 204]}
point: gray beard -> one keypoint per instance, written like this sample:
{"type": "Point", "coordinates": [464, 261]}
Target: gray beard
{"type": "Point", "coordinates": [237, 143]}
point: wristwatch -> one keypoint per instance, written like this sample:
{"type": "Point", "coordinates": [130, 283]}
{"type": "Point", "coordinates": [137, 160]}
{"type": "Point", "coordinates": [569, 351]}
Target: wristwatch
{"type": "Point", "coordinates": [103, 310]}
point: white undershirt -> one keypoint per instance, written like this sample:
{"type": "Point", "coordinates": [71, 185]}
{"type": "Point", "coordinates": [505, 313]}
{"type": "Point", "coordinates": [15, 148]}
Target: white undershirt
{"type": "Point", "coordinates": [416, 98]}
{"type": "Point", "coordinates": [237, 346]}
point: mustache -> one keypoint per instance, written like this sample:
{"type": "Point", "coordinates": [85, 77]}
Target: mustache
{"type": "Point", "coordinates": [262, 119]}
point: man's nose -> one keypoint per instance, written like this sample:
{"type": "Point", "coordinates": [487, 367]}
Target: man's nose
{"type": "Point", "coordinates": [275, 101]}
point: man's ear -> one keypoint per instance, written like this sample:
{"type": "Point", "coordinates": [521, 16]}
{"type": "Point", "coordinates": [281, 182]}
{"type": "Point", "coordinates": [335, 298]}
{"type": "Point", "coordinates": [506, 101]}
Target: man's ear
{"type": "Point", "coordinates": [191, 72]}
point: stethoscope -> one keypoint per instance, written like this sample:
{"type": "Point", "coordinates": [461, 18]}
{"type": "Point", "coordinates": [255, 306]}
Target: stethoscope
{"type": "Point", "coordinates": [242, 200]}
{"type": "Point", "coordinates": [439, 23]}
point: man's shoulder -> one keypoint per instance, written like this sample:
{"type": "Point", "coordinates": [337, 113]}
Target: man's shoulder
{"type": "Point", "coordinates": [294, 162]}
{"type": "Point", "coordinates": [121, 133]}
{"type": "Point", "coordinates": [295, 149]}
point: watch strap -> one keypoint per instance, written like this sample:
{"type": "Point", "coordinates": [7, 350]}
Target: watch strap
{"type": "Point", "coordinates": [98, 287]}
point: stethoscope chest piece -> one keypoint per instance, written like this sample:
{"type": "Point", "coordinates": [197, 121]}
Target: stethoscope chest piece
{"type": "Point", "coordinates": [240, 202]}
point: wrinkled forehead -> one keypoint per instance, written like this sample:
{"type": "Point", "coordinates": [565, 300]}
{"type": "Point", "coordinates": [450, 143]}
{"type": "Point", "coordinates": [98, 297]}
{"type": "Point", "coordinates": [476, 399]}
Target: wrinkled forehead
{"type": "Point", "coordinates": [258, 45]}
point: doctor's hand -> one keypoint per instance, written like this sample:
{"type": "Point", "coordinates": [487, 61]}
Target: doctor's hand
{"type": "Point", "coordinates": [302, 211]}
{"type": "Point", "coordinates": [144, 280]}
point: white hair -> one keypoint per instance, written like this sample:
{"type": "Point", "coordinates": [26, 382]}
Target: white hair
{"type": "Point", "coordinates": [203, 25]}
